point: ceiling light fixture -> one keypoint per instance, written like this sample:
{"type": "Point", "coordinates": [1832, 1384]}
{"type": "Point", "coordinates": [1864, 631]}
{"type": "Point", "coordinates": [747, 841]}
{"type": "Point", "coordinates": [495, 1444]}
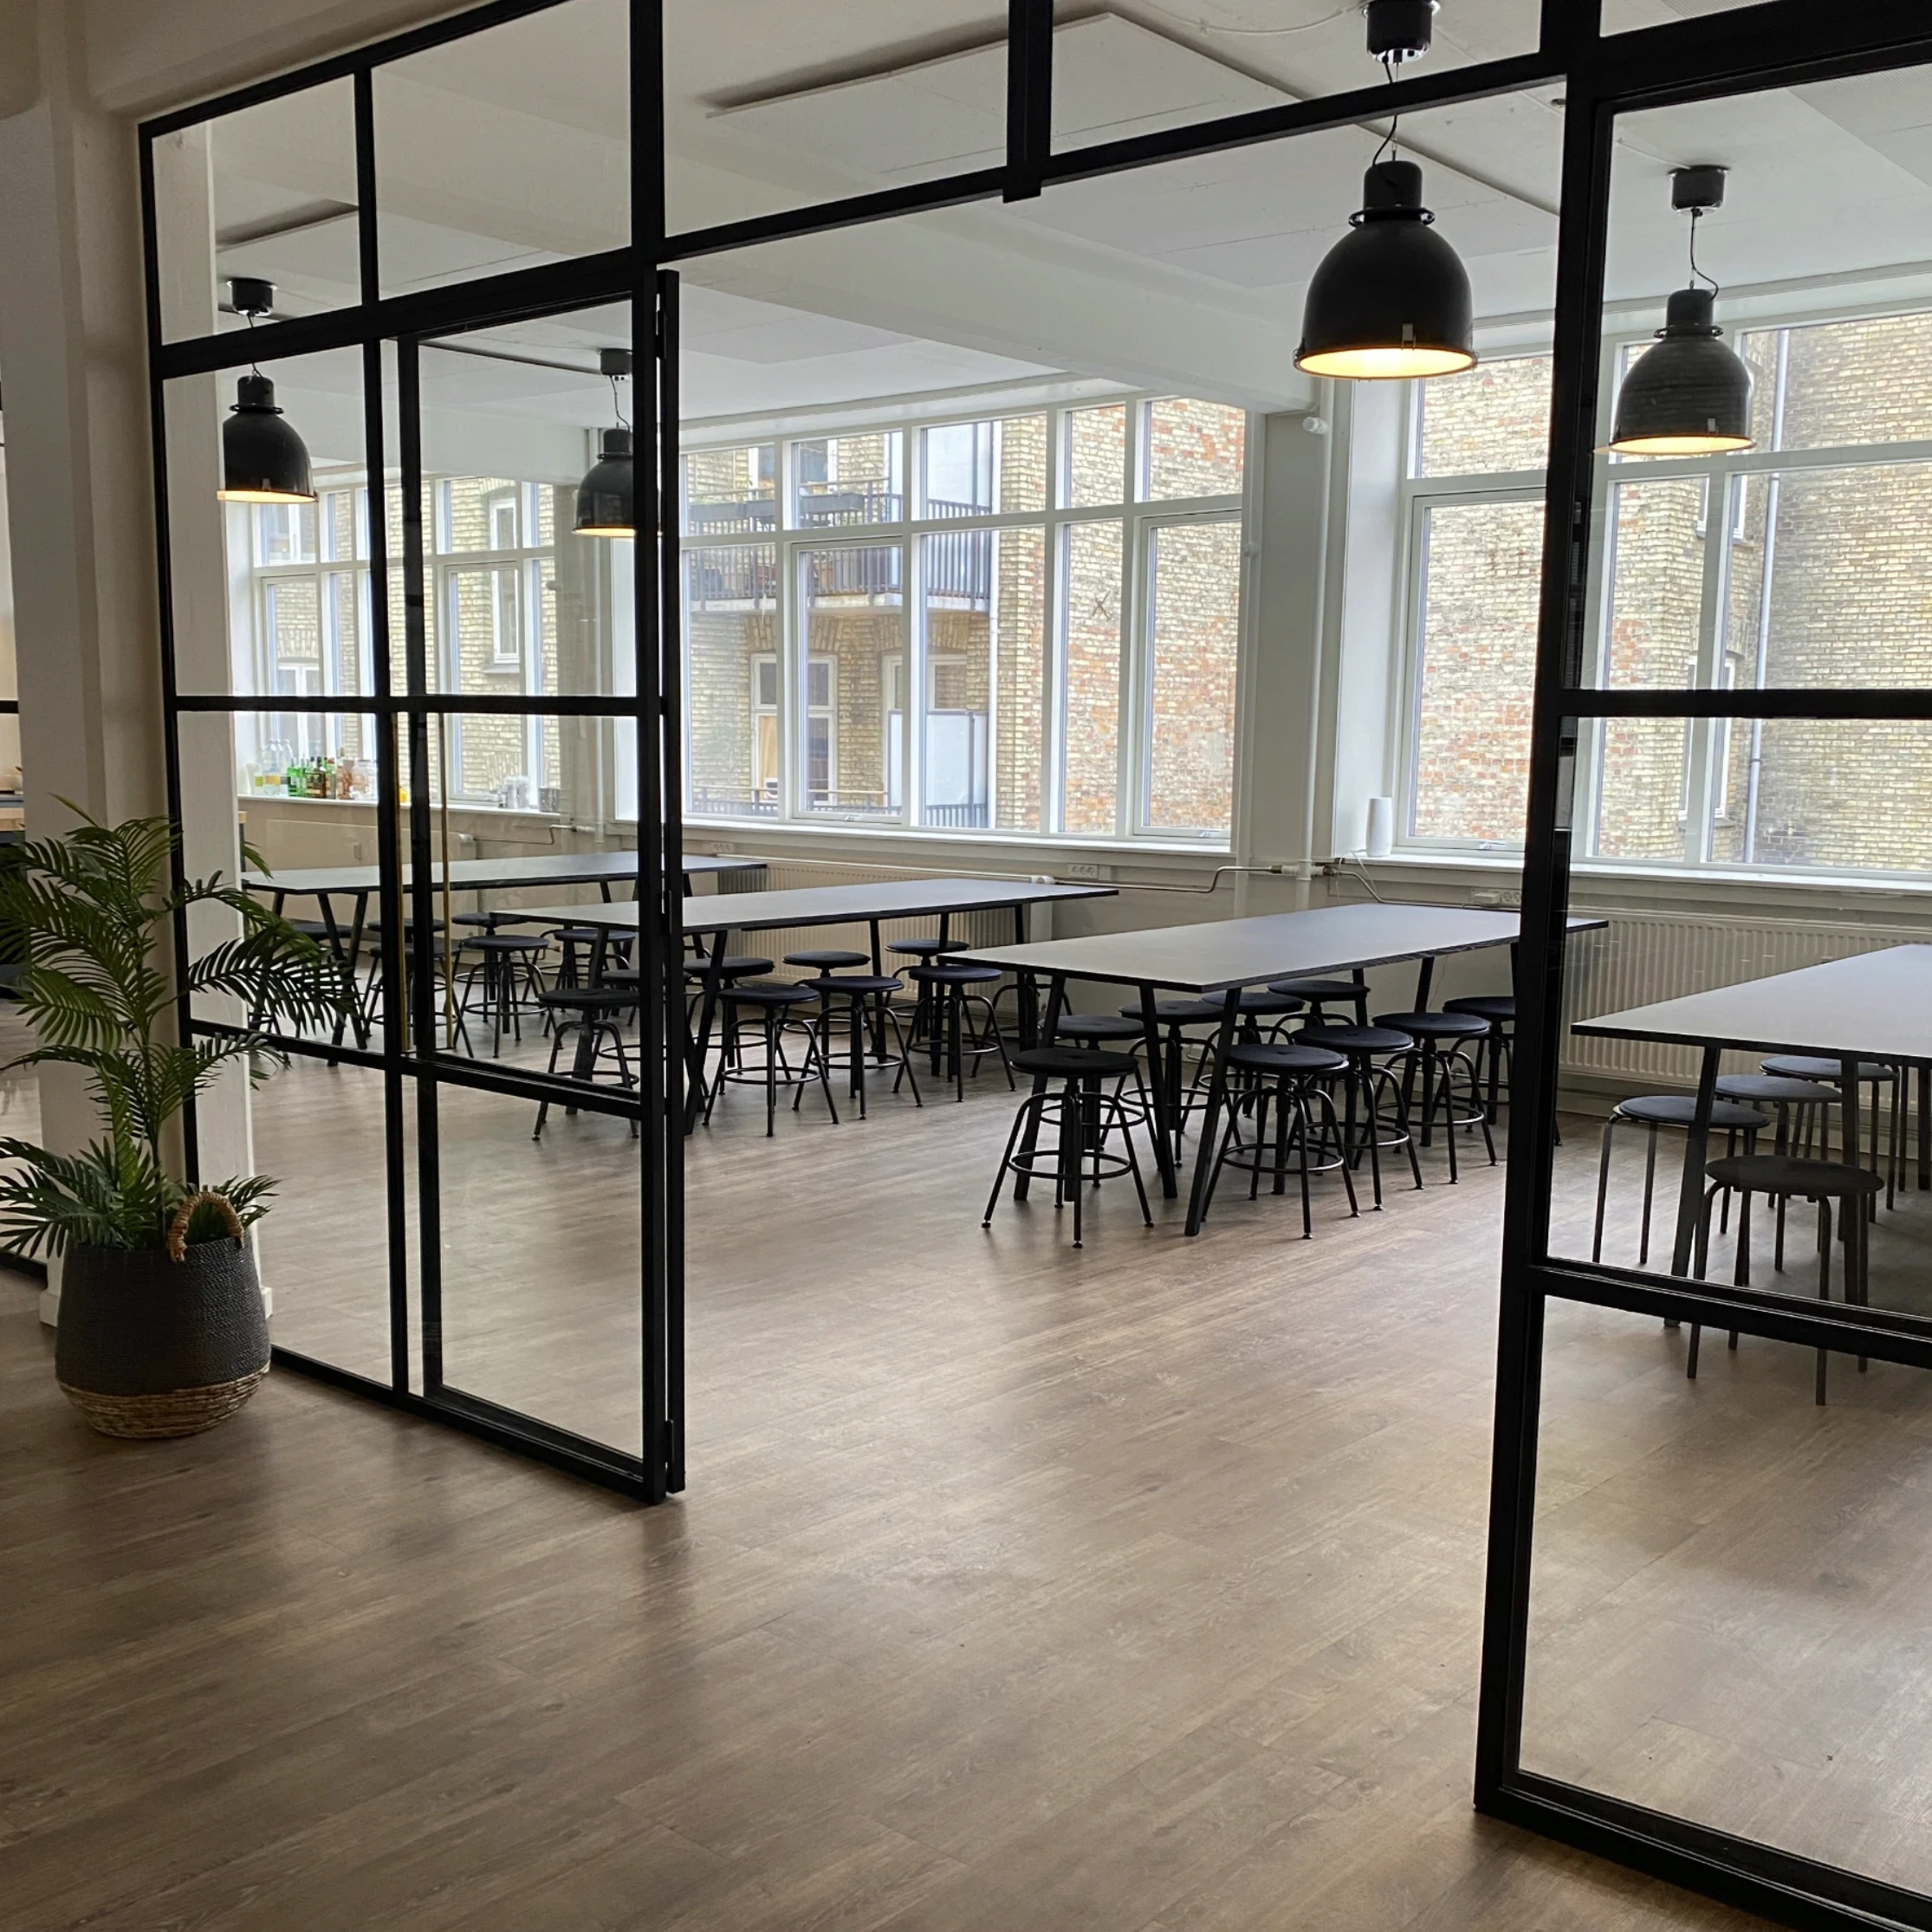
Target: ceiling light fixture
{"type": "Point", "coordinates": [1688, 395]}
{"type": "Point", "coordinates": [1391, 298]}
{"type": "Point", "coordinates": [606, 498]}
{"type": "Point", "coordinates": [264, 461]}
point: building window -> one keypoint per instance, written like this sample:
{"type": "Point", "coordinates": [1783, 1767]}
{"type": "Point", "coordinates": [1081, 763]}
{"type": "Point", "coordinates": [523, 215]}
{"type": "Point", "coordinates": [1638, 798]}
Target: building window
{"type": "Point", "coordinates": [1024, 624]}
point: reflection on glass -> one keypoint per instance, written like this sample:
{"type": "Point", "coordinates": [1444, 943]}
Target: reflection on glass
{"type": "Point", "coordinates": [1193, 449]}
{"type": "Point", "coordinates": [852, 680]}
{"type": "Point", "coordinates": [731, 680]}
{"type": "Point", "coordinates": [1090, 777]}
{"type": "Point", "coordinates": [1194, 570]}
{"type": "Point", "coordinates": [1481, 577]}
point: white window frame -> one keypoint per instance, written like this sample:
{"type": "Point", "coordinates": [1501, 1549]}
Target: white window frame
{"type": "Point", "coordinates": [1136, 514]}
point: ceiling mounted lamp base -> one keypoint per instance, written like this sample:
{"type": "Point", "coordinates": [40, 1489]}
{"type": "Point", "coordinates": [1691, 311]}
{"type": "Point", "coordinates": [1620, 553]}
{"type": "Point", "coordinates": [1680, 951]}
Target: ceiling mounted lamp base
{"type": "Point", "coordinates": [1689, 395]}
{"type": "Point", "coordinates": [1392, 299]}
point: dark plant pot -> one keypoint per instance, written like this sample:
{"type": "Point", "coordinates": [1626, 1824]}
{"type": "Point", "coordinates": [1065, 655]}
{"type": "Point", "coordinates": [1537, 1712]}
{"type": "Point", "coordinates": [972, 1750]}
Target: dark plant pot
{"type": "Point", "coordinates": [150, 1346]}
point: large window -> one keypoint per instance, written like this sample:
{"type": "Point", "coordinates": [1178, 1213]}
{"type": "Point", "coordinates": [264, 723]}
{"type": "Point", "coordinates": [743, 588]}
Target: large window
{"type": "Point", "coordinates": [1024, 624]}
{"type": "Point", "coordinates": [1804, 561]}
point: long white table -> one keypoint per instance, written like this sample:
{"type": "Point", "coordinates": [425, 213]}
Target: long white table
{"type": "Point", "coordinates": [1875, 1006]}
{"type": "Point", "coordinates": [1226, 955]}
{"type": "Point", "coordinates": [717, 916]}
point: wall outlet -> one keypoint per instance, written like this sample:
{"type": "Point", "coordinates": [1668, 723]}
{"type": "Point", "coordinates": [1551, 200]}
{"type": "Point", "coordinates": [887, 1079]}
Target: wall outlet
{"type": "Point", "coordinates": [1085, 869]}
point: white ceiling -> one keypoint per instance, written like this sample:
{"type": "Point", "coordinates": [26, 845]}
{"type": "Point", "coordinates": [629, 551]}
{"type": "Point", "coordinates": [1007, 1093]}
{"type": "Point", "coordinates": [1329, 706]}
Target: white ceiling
{"type": "Point", "coordinates": [507, 150]}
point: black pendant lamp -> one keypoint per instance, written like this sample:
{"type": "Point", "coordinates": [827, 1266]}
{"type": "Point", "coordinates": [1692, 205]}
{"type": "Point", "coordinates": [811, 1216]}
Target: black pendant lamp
{"type": "Point", "coordinates": [264, 461]}
{"type": "Point", "coordinates": [1392, 299]}
{"type": "Point", "coordinates": [606, 498]}
{"type": "Point", "coordinates": [1689, 395]}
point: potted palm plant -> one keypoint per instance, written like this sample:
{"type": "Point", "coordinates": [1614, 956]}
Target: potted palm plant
{"type": "Point", "coordinates": [161, 1326]}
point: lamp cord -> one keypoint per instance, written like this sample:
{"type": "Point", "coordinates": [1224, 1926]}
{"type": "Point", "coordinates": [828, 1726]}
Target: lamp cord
{"type": "Point", "coordinates": [255, 367]}
{"type": "Point", "coordinates": [1697, 274]}
{"type": "Point", "coordinates": [1388, 145]}
{"type": "Point", "coordinates": [617, 404]}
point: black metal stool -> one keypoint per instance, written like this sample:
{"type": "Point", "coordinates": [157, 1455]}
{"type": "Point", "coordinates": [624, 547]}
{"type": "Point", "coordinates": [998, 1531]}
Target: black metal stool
{"type": "Point", "coordinates": [1176, 1016]}
{"type": "Point", "coordinates": [868, 996]}
{"type": "Point", "coordinates": [925, 951]}
{"type": "Point", "coordinates": [1117, 1032]}
{"type": "Point", "coordinates": [1371, 1080]}
{"type": "Point", "coordinates": [1437, 1065]}
{"type": "Point", "coordinates": [1290, 1077]}
{"type": "Point", "coordinates": [504, 970]}
{"type": "Point", "coordinates": [1783, 1178]}
{"type": "Point", "coordinates": [590, 1013]}
{"type": "Point", "coordinates": [947, 992]}
{"type": "Point", "coordinates": [774, 1004]}
{"type": "Point", "coordinates": [1872, 1073]}
{"type": "Point", "coordinates": [1653, 1110]}
{"type": "Point", "coordinates": [1321, 993]}
{"type": "Point", "coordinates": [1084, 1115]}
{"type": "Point", "coordinates": [571, 941]}
{"type": "Point", "coordinates": [1496, 1055]}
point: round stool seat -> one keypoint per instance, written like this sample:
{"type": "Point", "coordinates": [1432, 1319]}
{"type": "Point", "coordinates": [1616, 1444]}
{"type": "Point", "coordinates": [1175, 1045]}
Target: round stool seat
{"type": "Point", "coordinates": [1266, 1001]}
{"type": "Point", "coordinates": [1772, 1089]}
{"type": "Point", "coordinates": [1498, 1007]}
{"type": "Point", "coordinates": [1356, 1040]}
{"type": "Point", "coordinates": [1806, 1067]}
{"type": "Point", "coordinates": [927, 948]}
{"type": "Point", "coordinates": [830, 960]}
{"type": "Point", "coordinates": [317, 929]}
{"type": "Point", "coordinates": [955, 975]}
{"type": "Point", "coordinates": [1099, 1026]}
{"type": "Point", "coordinates": [854, 984]}
{"type": "Point", "coordinates": [732, 966]}
{"type": "Point", "coordinates": [1435, 1026]}
{"type": "Point", "coordinates": [1179, 1012]}
{"type": "Point", "coordinates": [1318, 989]}
{"type": "Point", "coordinates": [1074, 1063]}
{"type": "Point", "coordinates": [1674, 1109]}
{"type": "Point", "coordinates": [777, 994]}
{"type": "Point", "coordinates": [1788, 1174]}
{"type": "Point", "coordinates": [575, 936]}
{"type": "Point", "coordinates": [506, 943]}
{"type": "Point", "coordinates": [586, 999]}
{"type": "Point", "coordinates": [1296, 1062]}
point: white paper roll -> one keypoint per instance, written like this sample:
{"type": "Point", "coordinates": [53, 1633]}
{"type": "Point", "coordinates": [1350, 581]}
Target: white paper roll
{"type": "Point", "coordinates": [1382, 828]}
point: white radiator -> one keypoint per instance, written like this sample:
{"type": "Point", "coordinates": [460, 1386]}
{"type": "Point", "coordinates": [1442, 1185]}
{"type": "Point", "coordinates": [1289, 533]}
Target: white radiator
{"type": "Point", "coordinates": [1649, 956]}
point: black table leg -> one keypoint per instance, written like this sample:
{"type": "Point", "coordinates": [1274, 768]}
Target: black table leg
{"type": "Point", "coordinates": [359, 1017]}
{"type": "Point", "coordinates": [1056, 1004]}
{"type": "Point", "coordinates": [1159, 1126]}
{"type": "Point", "coordinates": [701, 1041]}
{"type": "Point", "coordinates": [1925, 1127]}
{"type": "Point", "coordinates": [1425, 976]}
{"type": "Point", "coordinates": [1026, 989]}
{"type": "Point", "coordinates": [1217, 1094]}
{"type": "Point", "coordinates": [1690, 1193]}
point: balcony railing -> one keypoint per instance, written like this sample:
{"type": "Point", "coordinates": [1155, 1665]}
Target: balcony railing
{"type": "Point", "coordinates": [958, 563]}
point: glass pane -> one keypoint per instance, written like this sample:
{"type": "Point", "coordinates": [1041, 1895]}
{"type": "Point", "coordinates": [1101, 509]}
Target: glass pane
{"type": "Point", "coordinates": [851, 734]}
{"type": "Point", "coordinates": [812, 104]}
{"type": "Point", "coordinates": [972, 469]}
{"type": "Point", "coordinates": [506, 149]}
{"type": "Point", "coordinates": [271, 598]}
{"type": "Point", "coordinates": [1090, 759]}
{"type": "Point", "coordinates": [731, 681]}
{"type": "Point", "coordinates": [1653, 616]}
{"type": "Point", "coordinates": [1495, 417]}
{"type": "Point", "coordinates": [1482, 576]}
{"type": "Point", "coordinates": [1194, 448]}
{"type": "Point", "coordinates": [1019, 671]}
{"type": "Point", "coordinates": [848, 479]}
{"type": "Point", "coordinates": [542, 1255]}
{"type": "Point", "coordinates": [1828, 796]}
{"type": "Point", "coordinates": [1196, 573]}
{"type": "Point", "coordinates": [1726, 1619]}
{"type": "Point", "coordinates": [1096, 455]}
{"type": "Point", "coordinates": [1834, 382]}
{"type": "Point", "coordinates": [516, 603]}
{"type": "Point", "coordinates": [1642, 807]}
{"type": "Point", "coordinates": [1831, 577]}
{"type": "Point", "coordinates": [267, 193]}
{"type": "Point", "coordinates": [730, 491]}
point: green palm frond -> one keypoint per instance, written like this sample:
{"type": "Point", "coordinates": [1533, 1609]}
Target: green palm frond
{"type": "Point", "coordinates": [90, 912]}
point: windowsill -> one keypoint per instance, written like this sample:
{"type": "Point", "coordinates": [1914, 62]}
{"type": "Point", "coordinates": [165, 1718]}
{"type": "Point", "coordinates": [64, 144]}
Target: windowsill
{"type": "Point", "coordinates": [1703, 878]}
{"type": "Point", "coordinates": [368, 805]}
{"type": "Point", "coordinates": [741, 833]}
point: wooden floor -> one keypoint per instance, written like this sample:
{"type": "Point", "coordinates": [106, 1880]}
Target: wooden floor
{"type": "Point", "coordinates": [1134, 1588]}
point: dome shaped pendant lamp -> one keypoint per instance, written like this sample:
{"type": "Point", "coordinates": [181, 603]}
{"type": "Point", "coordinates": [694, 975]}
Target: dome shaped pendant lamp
{"type": "Point", "coordinates": [1392, 299]}
{"type": "Point", "coordinates": [1688, 395]}
{"type": "Point", "coordinates": [264, 461]}
{"type": "Point", "coordinates": [606, 498]}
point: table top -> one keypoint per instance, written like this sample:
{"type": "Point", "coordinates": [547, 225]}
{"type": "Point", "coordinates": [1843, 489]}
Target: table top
{"type": "Point", "coordinates": [1871, 1006]}
{"type": "Point", "coordinates": [469, 875]}
{"type": "Point", "coordinates": [1220, 954]}
{"type": "Point", "coordinates": [826, 905]}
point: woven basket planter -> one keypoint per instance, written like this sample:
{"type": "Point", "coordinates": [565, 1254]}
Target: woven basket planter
{"type": "Point", "coordinates": [150, 1345]}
